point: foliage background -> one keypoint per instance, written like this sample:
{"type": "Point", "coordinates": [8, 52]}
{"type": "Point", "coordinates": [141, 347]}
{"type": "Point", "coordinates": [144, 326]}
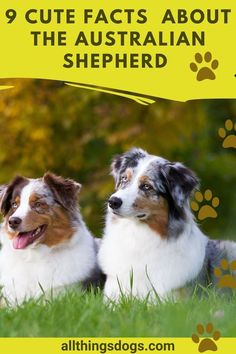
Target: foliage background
{"type": "Point", "coordinates": [46, 125]}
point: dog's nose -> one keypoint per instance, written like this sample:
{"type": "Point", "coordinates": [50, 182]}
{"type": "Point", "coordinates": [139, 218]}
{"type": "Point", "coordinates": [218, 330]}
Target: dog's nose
{"type": "Point", "coordinates": [14, 222]}
{"type": "Point", "coordinates": [115, 203]}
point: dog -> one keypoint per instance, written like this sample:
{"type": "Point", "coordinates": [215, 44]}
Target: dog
{"type": "Point", "coordinates": [152, 248]}
{"type": "Point", "coordinates": [46, 245]}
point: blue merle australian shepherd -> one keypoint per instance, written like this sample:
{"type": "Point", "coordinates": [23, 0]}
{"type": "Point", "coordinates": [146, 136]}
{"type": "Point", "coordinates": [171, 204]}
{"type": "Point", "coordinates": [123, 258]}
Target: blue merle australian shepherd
{"type": "Point", "coordinates": [152, 246]}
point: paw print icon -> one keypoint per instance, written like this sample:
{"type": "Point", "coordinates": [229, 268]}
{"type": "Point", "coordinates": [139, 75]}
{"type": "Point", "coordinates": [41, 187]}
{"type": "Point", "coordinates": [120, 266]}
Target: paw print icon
{"type": "Point", "coordinates": [226, 274]}
{"type": "Point", "coordinates": [204, 66]}
{"type": "Point", "coordinates": [209, 342]}
{"type": "Point", "coordinates": [205, 205]}
{"type": "Point", "coordinates": [228, 134]}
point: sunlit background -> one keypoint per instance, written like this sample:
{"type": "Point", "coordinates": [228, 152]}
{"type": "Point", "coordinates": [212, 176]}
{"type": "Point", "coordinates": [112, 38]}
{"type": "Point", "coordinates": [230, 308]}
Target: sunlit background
{"type": "Point", "coordinates": [46, 125]}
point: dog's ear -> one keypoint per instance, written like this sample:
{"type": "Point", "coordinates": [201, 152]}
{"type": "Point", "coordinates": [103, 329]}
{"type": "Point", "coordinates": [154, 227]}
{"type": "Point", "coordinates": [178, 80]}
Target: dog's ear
{"type": "Point", "coordinates": [6, 193]}
{"type": "Point", "coordinates": [180, 182]}
{"type": "Point", "coordinates": [116, 167]}
{"type": "Point", "coordinates": [3, 189]}
{"type": "Point", "coordinates": [64, 190]}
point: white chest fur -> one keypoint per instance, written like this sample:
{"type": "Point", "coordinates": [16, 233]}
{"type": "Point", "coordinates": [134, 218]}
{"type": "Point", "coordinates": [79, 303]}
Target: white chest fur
{"type": "Point", "coordinates": [29, 273]}
{"type": "Point", "coordinates": [131, 247]}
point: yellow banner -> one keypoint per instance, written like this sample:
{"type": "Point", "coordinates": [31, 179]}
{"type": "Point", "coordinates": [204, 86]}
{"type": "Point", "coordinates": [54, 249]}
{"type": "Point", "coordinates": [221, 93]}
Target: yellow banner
{"type": "Point", "coordinates": [178, 50]}
{"type": "Point", "coordinates": [113, 345]}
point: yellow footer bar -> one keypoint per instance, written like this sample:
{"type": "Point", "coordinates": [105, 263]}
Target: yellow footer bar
{"type": "Point", "coordinates": [119, 345]}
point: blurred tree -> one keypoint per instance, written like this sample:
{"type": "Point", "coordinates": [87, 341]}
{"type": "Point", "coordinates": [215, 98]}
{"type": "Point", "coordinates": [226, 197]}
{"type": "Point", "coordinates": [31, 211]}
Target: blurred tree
{"type": "Point", "coordinates": [46, 125]}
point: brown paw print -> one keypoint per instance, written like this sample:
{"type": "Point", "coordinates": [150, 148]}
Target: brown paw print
{"type": "Point", "coordinates": [224, 273]}
{"type": "Point", "coordinates": [205, 344]}
{"type": "Point", "coordinates": [207, 210]}
{"type": "Point", "coordinates": [205, 72]}
{"type": "Point", "coordinates": [228, 134]}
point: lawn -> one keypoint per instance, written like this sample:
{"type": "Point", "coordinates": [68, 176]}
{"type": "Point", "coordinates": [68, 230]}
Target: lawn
{"type": "Point", "coordinates": [77, 314]}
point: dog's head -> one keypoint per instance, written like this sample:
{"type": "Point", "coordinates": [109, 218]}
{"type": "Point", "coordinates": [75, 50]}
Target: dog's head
{"type": "Point", "coordinates": [152, 190]}
{"type": "Point", "coordinates": [39, 210]}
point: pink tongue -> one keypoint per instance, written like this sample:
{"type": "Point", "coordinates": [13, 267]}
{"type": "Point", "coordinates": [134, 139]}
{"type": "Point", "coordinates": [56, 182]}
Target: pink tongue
{"type": "Point", "coordinates": [22, 241]}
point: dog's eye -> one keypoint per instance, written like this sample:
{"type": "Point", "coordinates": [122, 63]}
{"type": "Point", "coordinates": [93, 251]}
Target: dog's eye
{"type": "Point", "coordinates": [146, 187]}
{"type": "Point", "coordinates": [38, 204]}
{"type": "Point", "coordinates": [124, 179]}
{"type": "Point", "coordinates": [14, 205]}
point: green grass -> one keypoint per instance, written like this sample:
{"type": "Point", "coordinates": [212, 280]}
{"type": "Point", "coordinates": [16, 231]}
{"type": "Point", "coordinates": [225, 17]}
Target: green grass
{"type": "Point", "coordinates": [85, 315]}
